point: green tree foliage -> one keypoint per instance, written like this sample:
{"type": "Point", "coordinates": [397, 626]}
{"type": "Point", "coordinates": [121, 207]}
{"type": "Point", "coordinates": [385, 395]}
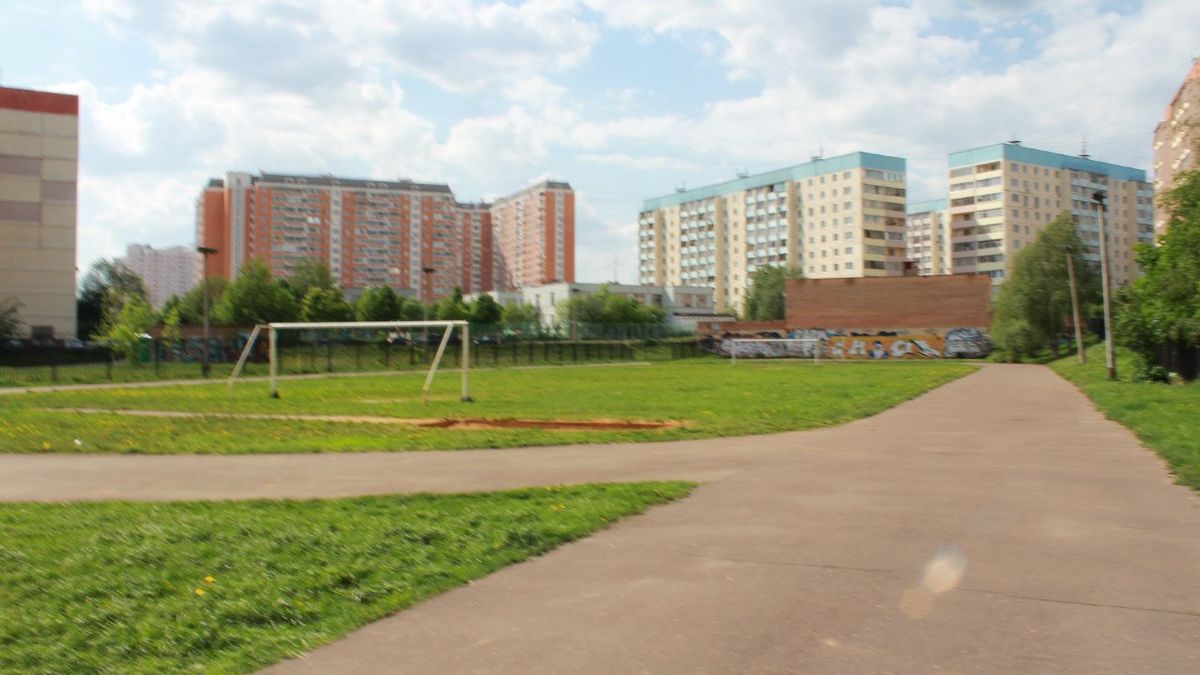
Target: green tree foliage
{"type": "Point", "coordinates": [170, 326]}
{"type": "Point", "coordinates": [766, 295]}
{"type": "Point", "coordinates": [1163, 305]}
{"type": "Point", "coordinates": [105, 289]}
{"type": "Point", "coordinates": [377, 304]}
{"type": "Point", "coordinates": [485, 310]}
{"type": "Point", "coordinates": [125, 332]}
{"type": "Point", "coordinates": [325, 304]}
{"type": "Point", "coordinates": [520, 315]}
{"type": "Point", "coordinates": [191, 304]}
{"type": "Point", "coordinates": [452, 307]}
{"type": "Point", "coordinates": [10, 318]}
{"type": "Point", "coordinates": [608, 308]}
{"type": "Point", "coordinates": [308, 274]}
{"type": "Point", "coordinates": [410, 309]}
{"type": "Point", "coordinates": [254, 297]}
{"type": "Point", "coordinates": [1033, 307]}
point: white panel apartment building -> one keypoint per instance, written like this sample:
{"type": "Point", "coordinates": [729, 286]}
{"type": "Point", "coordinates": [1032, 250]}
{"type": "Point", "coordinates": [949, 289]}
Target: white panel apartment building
{"type": "Point", "coordinates": [1002, 195]}
{"type": "Point", "coordinates": [928, 237]}
{"type": "Point", "coordinates": [838, 217]}
{"type": "Point", "coordinates": [165, 271]}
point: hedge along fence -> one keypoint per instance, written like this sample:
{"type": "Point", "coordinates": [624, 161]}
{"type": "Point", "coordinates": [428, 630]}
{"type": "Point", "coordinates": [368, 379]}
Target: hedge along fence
{"type": "Point", "coordinates": [161, 361]}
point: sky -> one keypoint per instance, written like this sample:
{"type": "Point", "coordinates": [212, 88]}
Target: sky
{"type": "Point", "coordinates": [625, 99]}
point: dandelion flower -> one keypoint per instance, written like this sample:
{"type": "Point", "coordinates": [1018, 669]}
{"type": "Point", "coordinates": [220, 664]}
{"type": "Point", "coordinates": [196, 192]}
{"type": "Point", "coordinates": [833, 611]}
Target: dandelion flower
{"type": "Point", "coordinates": [199, 591]}
{"type": "Point", "coordinates": [209, 579]}
{"type": "Point", "coordinates": [45, 445]}
{"type": "Point", "coordinates": [78, 443]}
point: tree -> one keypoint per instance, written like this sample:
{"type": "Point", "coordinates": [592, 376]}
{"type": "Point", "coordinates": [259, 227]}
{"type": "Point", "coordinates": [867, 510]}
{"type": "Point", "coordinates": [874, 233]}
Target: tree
{"type": "Point", "coordinates": [520, 315]}
{"type": "Point", "coordinates": [308, 274]}
{"type": "Point", "coordinates": [485, 310]}
{"type": "Point", "coordinates": [170, 326]}
{"type": "Point", "coordinates": [452, 307]}
{"type": "Point", "coordinates": [1034, 305]}
{"type": "Point", "coordinates": [410, 309]}
{"type": "Point", "coordinates": [766, 294]}
{"type": "Point", "coordinates": [127, 331]}
{"type": "Point", "coordinates": [325, 305]}
{"type": "Point", "coordinates": [254, 297]}
{"type": "Point", "coordinates": [377, 304]}
{"type": "Point", "coordinates": [1162, 307]}
{"type": "Point", "coordinates": [103, 292]}
{"type": "Point", "coordinates": [191, 304]}
{"type": "Point", "coordinates": [608, 308]}
{"type": "Point", "coordinates": [10, 319]}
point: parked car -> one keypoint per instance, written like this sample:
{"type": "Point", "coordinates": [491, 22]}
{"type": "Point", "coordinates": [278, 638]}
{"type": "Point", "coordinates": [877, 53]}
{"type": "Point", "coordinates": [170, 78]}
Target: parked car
{"type": "Point", "coordinates": [488, 340]}
{"type": "Point", "coordinates": [74, 345]}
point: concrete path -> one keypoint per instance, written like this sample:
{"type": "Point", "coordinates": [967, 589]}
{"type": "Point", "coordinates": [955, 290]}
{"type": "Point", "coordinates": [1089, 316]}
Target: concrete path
{"type": "Point", "coordinates": [998, 524]}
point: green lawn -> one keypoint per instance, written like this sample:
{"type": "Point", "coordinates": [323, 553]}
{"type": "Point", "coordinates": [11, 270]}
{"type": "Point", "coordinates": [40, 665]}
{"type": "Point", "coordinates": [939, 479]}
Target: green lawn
{"type": "Point", "coordinates": [709, 397]}
{"type": "Point", "coordinates": [234, 586]}
{"type": "Point", "coordinates": [1165, 417]}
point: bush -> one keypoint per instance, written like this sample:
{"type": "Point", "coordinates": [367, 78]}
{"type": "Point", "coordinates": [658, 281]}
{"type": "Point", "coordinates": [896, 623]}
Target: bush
{"type": "Point", "coordinates": [1150, 372]}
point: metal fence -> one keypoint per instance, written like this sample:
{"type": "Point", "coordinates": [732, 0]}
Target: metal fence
{"type": "Point", "coordinates": [162, 361]}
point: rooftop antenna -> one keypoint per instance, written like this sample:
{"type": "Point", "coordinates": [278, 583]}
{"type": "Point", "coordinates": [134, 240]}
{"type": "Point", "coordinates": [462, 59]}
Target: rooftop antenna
{"type": "Point", "coordinates": [682, 187]}
{"type": "Point", "coordinates": [1083, 152]}
{"type": "Point", "coordinates": [616, 270]}
{"type": "Point", "coordinates": [745, 171]}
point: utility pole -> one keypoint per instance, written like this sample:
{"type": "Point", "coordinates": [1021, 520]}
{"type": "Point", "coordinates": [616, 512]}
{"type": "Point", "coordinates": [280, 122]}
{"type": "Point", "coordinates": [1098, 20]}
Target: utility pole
{"type": "Point", "coordinates": [204, 252]}
{"type": "Point", "coordinates": [1110, 356]}
{"type": "Point", "coordinates": [1075, 306]}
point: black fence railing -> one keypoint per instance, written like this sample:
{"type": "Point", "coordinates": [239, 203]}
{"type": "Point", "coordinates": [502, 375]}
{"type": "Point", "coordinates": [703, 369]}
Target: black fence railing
{"type": "Point", "coordinates": [158, 360]}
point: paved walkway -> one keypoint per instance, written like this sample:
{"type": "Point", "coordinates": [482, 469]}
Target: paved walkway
{"type": "Point", "coordinates": [998, 524]}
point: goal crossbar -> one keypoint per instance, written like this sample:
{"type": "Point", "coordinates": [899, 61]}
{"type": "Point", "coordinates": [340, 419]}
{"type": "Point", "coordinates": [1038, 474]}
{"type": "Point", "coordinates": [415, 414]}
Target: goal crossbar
{"type": "Point", "coordinates": [734, 342]}
{"type": "Point", "coordinates": [273, 353]}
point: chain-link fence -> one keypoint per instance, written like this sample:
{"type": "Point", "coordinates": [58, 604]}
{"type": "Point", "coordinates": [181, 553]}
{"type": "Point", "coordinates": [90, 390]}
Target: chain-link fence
{"type": "Point", "coordinates": [321, 353]}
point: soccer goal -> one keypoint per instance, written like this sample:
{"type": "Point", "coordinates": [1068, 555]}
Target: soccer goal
{"type": "Point", "coordinates": [274, 329]}
{"type": "Point", "coordinates": [775, 348]}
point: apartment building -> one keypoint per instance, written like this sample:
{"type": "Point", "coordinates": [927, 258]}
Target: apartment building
{"type": "Point", "coordinates": [534, 232]}
{"type": "Point", "coordinates": [165, 271]}
{"type": "Point", "coordinates": [928, 237]}
{"type": "Point", "coordinates": [39, 155]}
{"type": "Point", "coordinates": [1177, 138]}
{"type": "Point", "coordinates": [831, 217]}
{"type": "Point", "coordinates": [414, 237]}
{"type": "Point", "coordinates": [1002, 195]}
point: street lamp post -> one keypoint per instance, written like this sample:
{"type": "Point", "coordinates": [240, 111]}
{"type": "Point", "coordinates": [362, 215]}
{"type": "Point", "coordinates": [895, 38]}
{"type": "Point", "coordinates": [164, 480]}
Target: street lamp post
{"type": "Point", "coordinates": [205, 251]}
{"type": "Point", "coordinates": [574, 324]}
{"type": "Point", "coordinates": [1075, 305]}
{"type": "Point", "coordinates": [1110, 356]}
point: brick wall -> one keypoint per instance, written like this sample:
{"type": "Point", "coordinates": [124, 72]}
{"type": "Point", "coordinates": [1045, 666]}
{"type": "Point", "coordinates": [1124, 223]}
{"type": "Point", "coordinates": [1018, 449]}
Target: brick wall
{"type": "Point", "coordinates": [881, 303]}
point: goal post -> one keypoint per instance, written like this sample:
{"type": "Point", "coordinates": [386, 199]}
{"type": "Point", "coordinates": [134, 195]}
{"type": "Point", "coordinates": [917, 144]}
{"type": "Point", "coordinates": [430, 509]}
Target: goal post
{"type": "Point", "coordinates": [273, 330]}
{"type": "Point", "coordinates": [775, 348]}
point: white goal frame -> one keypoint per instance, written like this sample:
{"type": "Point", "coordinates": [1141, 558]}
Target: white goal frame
{"type": "Point", "coordinates": [733, 343]}
{"type": "Point", "coordinates": [274, 328]}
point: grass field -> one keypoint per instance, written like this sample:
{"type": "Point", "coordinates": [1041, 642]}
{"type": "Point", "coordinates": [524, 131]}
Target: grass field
{"type": "Point", "coordinates": [234, 586]}
{"type": "Point", "coordinates": [709, 397]}
{"type": "Point", "coordinates": [1165, 417]}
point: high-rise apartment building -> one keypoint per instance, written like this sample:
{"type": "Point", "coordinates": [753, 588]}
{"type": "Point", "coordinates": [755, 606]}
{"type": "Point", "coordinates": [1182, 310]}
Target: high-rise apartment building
{"type": "Point", "coordinates": [165, 271]}
{"type": "Point", "coordinates": [535, 236]}
{"type": "Point", "coordinates": [39, 155]}
{"type": "Point", "coordinates": [407, 235]}
{"type": "Point", "coordinates": [1002, 195]}
{"type": "Point", "coordinates": [928, 237]}
{"type": "Point", "coordinates": [1177, 138]}
{"type": "Point", "coordinates": [838, 217]}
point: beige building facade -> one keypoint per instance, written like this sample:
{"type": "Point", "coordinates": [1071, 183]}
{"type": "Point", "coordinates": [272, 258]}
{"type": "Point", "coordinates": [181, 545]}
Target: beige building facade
{"type": "Point", "coordinates": [1002, 195]}
{"type": "Point", "coordinates": [165, 271]}
{"type": "Point", "coordinates": [832, 217]}
{"type": "Point", "coordinates": [928, 237]}
{"type": "Point", "coordinates": [39, 155]}
{"type": "Point", "coordinates": [1177, 138]}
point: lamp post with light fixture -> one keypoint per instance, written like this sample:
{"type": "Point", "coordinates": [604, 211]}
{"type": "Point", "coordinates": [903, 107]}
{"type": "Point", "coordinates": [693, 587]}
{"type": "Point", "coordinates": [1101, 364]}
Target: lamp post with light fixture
{"type": "Point", "coordinates": [205, 251]}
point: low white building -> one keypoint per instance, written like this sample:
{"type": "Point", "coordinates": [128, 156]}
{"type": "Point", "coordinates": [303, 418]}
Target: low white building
{"type": "Point", "coordinates": [686, 306]}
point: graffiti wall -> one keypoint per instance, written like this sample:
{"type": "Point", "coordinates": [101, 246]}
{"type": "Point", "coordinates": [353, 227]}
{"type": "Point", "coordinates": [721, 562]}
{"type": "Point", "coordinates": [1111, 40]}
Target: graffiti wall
{"type": "Point", "coordinates": [885, 344]}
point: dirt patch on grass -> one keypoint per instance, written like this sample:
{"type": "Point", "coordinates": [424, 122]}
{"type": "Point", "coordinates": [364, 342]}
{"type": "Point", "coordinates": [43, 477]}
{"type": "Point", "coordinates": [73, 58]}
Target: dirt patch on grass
{"type": "Point", "coordinates": [463, 423]}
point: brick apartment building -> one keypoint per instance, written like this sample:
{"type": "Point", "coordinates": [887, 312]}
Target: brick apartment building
{"type": "Point", "coordinates": [414, 237]}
